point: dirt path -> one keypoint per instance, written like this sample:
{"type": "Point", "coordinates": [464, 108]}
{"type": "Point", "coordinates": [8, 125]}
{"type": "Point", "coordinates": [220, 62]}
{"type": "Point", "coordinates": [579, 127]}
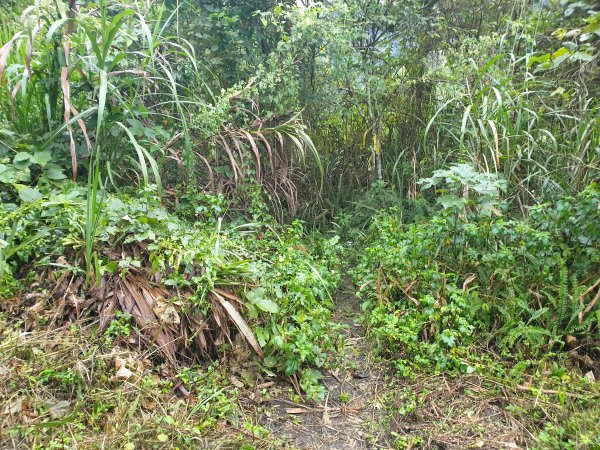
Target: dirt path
{"type": "Point", "coordinates": [352, 415]}
{"type": "Point", "coordinates": [368, 407]}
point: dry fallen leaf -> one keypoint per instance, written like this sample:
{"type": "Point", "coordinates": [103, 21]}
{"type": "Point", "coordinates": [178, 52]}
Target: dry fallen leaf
{"type": "Point", "coordinates": [297, 410]}
{"type": "Point", "coordinates": [241, 324]}
{"type": "Point", "coordinates": [119, 362]}
{"type": "Point", "coordinates": [122, 374]}
{"type": "Point", "coordinates": [166, 313]}
{"type": "Point", "coordinates": [571, 341]}
{"type": "Point", "coordinates": [326, 419]}
{"type": "Point", "coordinates": [590, 376]}
{"type": "Point", "coordinates": [60, 409]}
{"type": "Point", "coordinates": [15, 407]}
{"type": "Point", "coordinates": [237, 383]}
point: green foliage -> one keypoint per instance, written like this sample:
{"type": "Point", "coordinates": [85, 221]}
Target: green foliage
{"type": "Point", "coordinates": [289, 311]}
{"type": "Point", "coordinates": [410, 308]}
{"type": "Point", "coordinates": [296, 287]}
{"type": "Point", "coordinates": [171, 140]}
{"type": "Point", "coordinates": [119, 326]}
{"type": "Point", "coordinates": [209, 384]}
{"type": "Point", "coordinates": [431, 288]}
{"type": "Point", "coordinates": [576, 431]}
{"type": "Point", "coordinates": [42, 227]}
{"type": "Point", "coordinates": [376, 198]}
{"type": "Point", "coordinates": [579, 44]}
{"type": "Point", "coordinates": [512, 123]}
{"type": "Point", "coordinates": [466, 189]}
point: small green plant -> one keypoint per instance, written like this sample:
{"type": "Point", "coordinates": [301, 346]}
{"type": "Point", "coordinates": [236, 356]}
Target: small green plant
{"type": "Point", "coordinates": [65, 378]}
{"type": "Point", "coordinates": [210, 384]}
{"type": "Point", "coordinates": [464, 189]}
{"type": "Point", "coordinates": [119, 326]}
{"type": "Point", "coordinates": [406, 442]}
{"type": "Point", "coordinates": [257, 430]}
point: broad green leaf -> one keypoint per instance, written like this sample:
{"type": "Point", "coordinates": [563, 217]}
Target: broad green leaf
{"type": "Point", "coordinates": [22, 160]}
{"type": "Point", "coordinates": [259, 299]}
{"type": "Point", "coordinates": [29, 194]}
{"type": "Point", "coordinates": [270, 361]}
{"type": "Point", "coordinates": [591, 28]}
{"type": "Point", "coordinates": [560, 52]}
{"type": "Point", "coordinates": [55, 173]}
{"type": "Point", "coordinates": [9, 175]}
{"type": "Point", "coordinates": [452, 201]}
{"type": "Point", "coordinates": [582, 56]}
{"type": "Point", "coordinates": [41, 157]}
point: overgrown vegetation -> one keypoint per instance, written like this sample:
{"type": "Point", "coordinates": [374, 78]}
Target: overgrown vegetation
{"type": "Point", "coordinates": [521, 287]}
{"type": "Point", "coordinates": [185, 188]}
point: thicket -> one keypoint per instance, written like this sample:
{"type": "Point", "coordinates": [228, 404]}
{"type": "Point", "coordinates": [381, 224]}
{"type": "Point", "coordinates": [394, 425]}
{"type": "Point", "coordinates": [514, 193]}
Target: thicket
{"type": "Point", "coordinates": [187, 173]}
{"type": "Point", "coordinates": [519, 287]}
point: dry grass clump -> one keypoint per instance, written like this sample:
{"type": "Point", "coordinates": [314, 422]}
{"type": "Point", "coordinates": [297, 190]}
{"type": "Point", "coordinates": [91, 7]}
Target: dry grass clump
{"type": "Point", "coordinates": [72, 387]}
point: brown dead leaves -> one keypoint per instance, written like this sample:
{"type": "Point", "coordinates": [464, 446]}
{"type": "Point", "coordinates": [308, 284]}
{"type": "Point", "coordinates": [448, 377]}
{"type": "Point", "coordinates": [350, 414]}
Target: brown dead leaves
{"type": "Point", "coordinates": [167, 322]}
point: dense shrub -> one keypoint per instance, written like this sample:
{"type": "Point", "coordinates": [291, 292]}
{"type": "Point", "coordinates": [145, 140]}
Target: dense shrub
{"type": "Point", "coordinates": [284, 282]}
{"type": "Point", "coordinates": [432, 288]}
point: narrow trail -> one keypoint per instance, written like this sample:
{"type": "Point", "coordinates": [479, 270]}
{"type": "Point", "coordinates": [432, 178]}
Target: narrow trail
{"type": "Point", "coordinates": [351, 416]}
{"type": "Point", "coordinates": [366, 406]}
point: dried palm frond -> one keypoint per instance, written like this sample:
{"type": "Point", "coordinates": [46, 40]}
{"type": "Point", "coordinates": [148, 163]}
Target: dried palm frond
{"type": "Point", "coordinates": [274, 149]}
{"type": "Point", "coordinates": [163, 320]}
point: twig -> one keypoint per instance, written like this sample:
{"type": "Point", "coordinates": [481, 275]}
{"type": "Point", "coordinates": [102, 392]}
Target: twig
{"type": "Point", "coordinates": [544, 391]}
{"type": "Point", "coordinates": [589, 307]}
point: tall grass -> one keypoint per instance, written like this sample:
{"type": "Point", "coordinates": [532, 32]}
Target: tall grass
{"type": "Point", "coordinates": [520, 125]}
{"type": "Point", "coordinates": [110, 61]}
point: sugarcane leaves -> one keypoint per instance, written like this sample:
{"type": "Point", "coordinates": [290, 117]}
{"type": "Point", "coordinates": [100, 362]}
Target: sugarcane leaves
{"type": "Point", "coordinates": [144, 158]}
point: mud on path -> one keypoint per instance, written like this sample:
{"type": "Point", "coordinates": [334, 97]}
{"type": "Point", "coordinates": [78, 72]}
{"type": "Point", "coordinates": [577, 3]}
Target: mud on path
{"type": "Point", "coordinates": [367, 406]}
